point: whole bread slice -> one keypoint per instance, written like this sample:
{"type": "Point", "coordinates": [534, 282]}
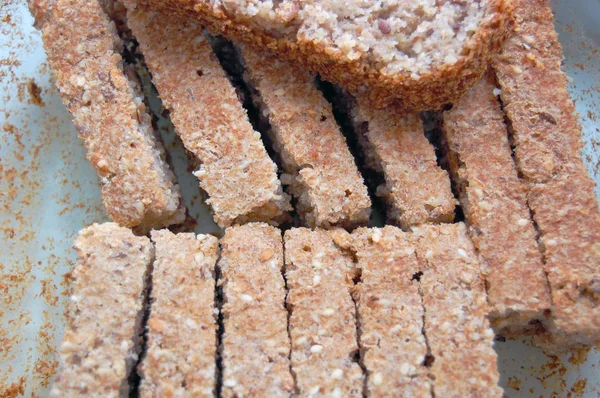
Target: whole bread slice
{"type": "Point", "coordinates": [426, 53]}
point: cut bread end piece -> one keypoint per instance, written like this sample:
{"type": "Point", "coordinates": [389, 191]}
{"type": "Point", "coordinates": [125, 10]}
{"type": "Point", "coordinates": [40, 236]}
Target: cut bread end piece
{"type": "Point", "coordinates": [424, 56]}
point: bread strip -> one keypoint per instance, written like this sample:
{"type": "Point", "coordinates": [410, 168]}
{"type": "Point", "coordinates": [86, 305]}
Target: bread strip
{"type": "Point", "coordinates": [494, 202]}
{"type": "Point", "coordinates": [570, 227]}
{"type": "Point", "coordinates": [458, 333]}
{"type": "Point", "coordinates": [322, 322]}
{"type": "Point", "coordinates": [103, 335]}
{"type": "Point", "coordinates": [416, 189]}
{"type": "Point", "coordinates": [256, 345]}
{"type": "Point", "coordinates": [546, 133]}
{"type": "Point", "coordinates": [324, 178]}
{"type": "Point", "coordinates": [236, 172]}
{"type": "Point", "coordinates": [83, 48]}
{"type": "Point", "coordinates": [390, 314]}
{"type": "Point", "coordinates": [182, 336]}
{"type": "Point", "coordinates": [561, 197]}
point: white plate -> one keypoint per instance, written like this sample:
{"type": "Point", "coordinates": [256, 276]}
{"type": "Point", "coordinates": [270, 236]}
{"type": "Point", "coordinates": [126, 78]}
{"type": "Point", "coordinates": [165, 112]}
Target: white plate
{"type": "Point", "coordinates": [48, 192]}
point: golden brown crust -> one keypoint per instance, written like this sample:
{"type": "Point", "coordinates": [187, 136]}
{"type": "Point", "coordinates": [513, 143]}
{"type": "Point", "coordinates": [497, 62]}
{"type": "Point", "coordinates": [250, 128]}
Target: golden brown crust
{"type": "Point", "coordinates": [236, 171]}
{"type": "Point", "coordinates": [390, 314]}
{"type": "Point", "coordinates": [102, 339]}
{"type": "Point", "coordinates": [322, 322]}
{"type": "Point", "coordinates": [324, 177]}
{"type": "Point", "coordinates": [182, 332]}
{"type": "Point", "coordinates": [494, 202]}
{"type": "Point", "coordinates": [108, 110]}
{"type": "Point", "coordinates": [432, 90]}
{"type": "Point", "coordinates": [456, 327]}
{"type": "Point", "coordinates": [416, 189]}
{"type": "Point", "coordinates": [256, 345]}
{"type": "Point", "coordinates": [547, 139]}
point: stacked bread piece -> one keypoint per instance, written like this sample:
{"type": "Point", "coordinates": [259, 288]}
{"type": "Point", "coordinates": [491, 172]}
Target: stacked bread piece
{"type": "Point", "coordinates": [317, 313]}
{"type": "Point", "coordinates": [335, 307]}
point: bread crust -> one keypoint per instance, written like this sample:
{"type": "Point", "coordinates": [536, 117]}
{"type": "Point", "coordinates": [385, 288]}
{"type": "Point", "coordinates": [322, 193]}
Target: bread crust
{"type": "Point", "coordinates": [182, 331]}
{"type": "Point", "coordinates": [440, 86]}
{"type": "Point", "coordinates": [83, 48]}
{"type": "Point", "coordinates": [494, 202]}
{"type": "Point", "coordinates": [256, 345]}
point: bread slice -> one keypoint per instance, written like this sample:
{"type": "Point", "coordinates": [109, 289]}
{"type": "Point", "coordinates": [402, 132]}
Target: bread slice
{"type": "Point", "coordinates": [182, 333]}
{"type": "Point", "coordinates": [321, 171]}
{"type": "Point", "coordinates": [108, 293]}
{"type": "Point", "coordinates": [256, 346]}
{"type": "Point", "coordinates": [494, 202]}
{"type": "Point", "coordinates": [547, 139]}
{"type": "Point", "coordinates": [422, 53]}
{"type": "Point", "coordinates": [458, 334]}
{"type": "Point", "coordinates": [416, 190]}
{"type": "Point", "coordinates": [322, 319]}
{"type": "Point", "coordinates": [83, 49]}
{"type": "Point", "coordinates": [235, 170]}
{"type": "Point", "coordinates": [390, 311]}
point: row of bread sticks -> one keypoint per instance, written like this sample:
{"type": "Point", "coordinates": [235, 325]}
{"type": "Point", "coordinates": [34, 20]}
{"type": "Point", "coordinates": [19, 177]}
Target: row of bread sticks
{"type": "Point", "coordinates": [531, 210]}
{"type": "Point", "coordinates": [315, 313]}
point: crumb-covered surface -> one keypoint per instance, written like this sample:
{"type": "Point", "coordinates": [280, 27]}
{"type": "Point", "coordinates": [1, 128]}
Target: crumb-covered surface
{"type": "Point", "coordinates": [256, 345]}
{"type": "Point", "coordinates": [494, 202]}
{"type": "Point", "coordinates": [235, 170]}
{"type": "Point", "coordinates": [390, 314]}
{"type": "Point", "coordinates": [182, 331]}
{"type": "Point", "coordinates": [83, 50]}
{"type": "Point", "coordinates": [417, 190]}
{"type": "Point", "coordinates": [102, 341]}
{"type": "Point", "coordinates": [458, 333]}
{"type": "Point", "coordinates": [322, 322]}
{"type": "Point", "coordinates": [322, 173]}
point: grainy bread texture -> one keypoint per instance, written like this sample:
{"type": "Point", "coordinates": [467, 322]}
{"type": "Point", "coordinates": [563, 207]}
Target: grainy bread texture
{"type": "Point", "coordinates": [108, 291]}
{"type": "Point", "coordinates": [458, 333]}
{"type": "Point", "coordinates": [83, 48]}
{"type": "Point", "coordinates": [390, 314]}
{"type": "Point", "coordinates": [256, 345]}
{"type": "Point", "coordinates": [320, 169]}
{"type": "Point", "coordinates": [322, 323]}
{"type": "Point", "coordinates": [494, 202]}
{"type": "Point", "coordinates": [236, 171]}
{"type": "Point", "coordinates": [416, 189]}
{"type": "Point", "coordinates": [547, 150]}
{"type": "Point", "coordinates": [182, 332]}
{"type": "Point", "coordinates": [426, 53]}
